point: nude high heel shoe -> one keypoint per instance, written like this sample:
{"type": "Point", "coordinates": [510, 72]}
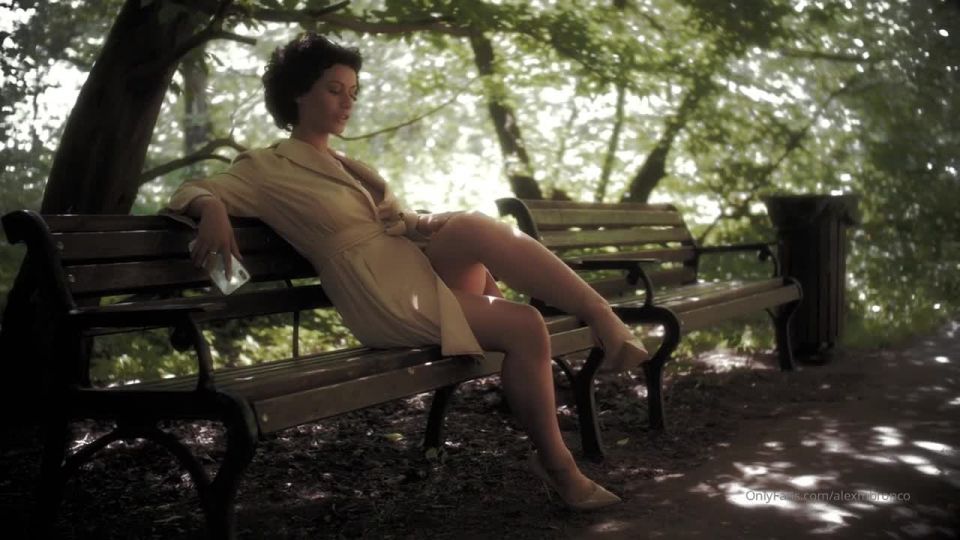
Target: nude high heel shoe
{"type": "Point", "coordinates": [598, 497]}
{"type": "Point", "coordinates": [626, 355]}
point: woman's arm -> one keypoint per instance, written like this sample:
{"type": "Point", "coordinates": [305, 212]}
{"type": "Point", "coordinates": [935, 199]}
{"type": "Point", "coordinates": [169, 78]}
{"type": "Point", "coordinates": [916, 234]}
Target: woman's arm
{"type": "Point", "coordinates": [214, 233]}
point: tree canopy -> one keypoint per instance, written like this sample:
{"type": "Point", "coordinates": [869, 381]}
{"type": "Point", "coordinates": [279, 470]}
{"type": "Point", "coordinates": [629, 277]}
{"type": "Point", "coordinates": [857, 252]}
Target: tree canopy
{"type": "Point", "coordinates": [709, 105]}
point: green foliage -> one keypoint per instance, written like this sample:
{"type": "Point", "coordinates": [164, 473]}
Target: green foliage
{"type": "Point", "coordinates": [743, 23]}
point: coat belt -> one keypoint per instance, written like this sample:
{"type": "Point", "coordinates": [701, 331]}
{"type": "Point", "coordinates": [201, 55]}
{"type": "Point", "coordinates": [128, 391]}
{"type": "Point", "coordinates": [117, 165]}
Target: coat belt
{"type": "Point", "coordinates": [333, 244]}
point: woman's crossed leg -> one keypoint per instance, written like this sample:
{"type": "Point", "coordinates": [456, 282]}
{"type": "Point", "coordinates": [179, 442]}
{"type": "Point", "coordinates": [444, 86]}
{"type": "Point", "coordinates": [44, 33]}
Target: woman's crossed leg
{"type": "Point", "coordinates": [459, 253]}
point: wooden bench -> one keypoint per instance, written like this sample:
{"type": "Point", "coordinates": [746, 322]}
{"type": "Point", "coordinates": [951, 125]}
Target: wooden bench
{"type": "Point", "coordinates": [102, 275]}
{"type": "Point", "coordinates": [654, 263]}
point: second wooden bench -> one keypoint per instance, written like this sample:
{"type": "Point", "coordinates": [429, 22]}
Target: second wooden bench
{"type": "Point", "coordinates": [651, 260]}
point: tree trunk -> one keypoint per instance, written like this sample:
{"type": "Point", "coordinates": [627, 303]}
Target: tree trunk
{"type": "Point", "coordinates": [519, 171]}
{"type": "Point", "coordinates": [99, 159]}
{"type": "Point", "coordinates": [611, 156]}
{"type": "Point", "coordinates": [654, 168]}
{"type": "Point", "coordinates": [104, 144]}
{"type": "Point", "coordinates": [197, 126]}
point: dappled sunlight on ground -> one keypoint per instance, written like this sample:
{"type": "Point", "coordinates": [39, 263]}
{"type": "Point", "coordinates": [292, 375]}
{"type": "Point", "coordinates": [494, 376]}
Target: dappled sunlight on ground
{"type": "Point", "coordinates": [834, 496]}
{"type": "Point", "coordinates": [727, 360]}
{"type": "Point", "coordinates": [883, 460]}
{"type": "Point", "coordinates": [865, 446]}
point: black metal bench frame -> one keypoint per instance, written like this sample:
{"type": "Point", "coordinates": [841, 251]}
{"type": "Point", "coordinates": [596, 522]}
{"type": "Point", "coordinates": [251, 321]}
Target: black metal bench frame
{"type": "Point", "coordinates": [82, 261]}
{"type": "Point", "coordinates": [643, 241]}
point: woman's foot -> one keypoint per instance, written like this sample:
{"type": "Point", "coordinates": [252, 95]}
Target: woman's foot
{"type": "Point", "coordinates": [575, 490]}
{"type": "Point", "coordinates": [621, 349]}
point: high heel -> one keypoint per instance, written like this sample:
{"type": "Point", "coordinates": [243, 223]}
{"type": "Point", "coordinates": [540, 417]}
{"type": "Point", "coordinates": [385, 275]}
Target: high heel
{"type": "Point", "coordinates": [628, 355]}
{"type": "Point", "coordinates": [598, 497]}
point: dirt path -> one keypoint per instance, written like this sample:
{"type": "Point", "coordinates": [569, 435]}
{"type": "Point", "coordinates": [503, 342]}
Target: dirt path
{"type": "Point", "coordinates": [881, 459]}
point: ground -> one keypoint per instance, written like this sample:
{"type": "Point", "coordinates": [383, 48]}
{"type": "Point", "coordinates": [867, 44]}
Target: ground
{"type": "Point", "coordinates": [738, 430]}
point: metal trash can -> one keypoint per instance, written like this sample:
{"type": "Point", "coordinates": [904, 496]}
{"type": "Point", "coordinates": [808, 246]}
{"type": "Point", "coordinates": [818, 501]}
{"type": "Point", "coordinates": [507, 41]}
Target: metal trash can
{"type": "Point", "coordinates": [812, 247]}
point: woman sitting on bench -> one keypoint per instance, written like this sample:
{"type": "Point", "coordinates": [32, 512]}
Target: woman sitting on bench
{"type": "Point", "coordinates": [341, 216]}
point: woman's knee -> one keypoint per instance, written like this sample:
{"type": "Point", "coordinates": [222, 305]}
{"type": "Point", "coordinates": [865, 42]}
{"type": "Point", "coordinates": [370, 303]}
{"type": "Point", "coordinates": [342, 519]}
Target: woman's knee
{"type": "Point", "coordinates": [470, 220]}
{"type": "Point", "coordinates": [529, 328]}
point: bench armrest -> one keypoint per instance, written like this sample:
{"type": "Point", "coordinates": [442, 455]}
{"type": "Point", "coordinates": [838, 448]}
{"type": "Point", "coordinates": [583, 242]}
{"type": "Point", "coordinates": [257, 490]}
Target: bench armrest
{"type": "Point", "coordinates": [634, 268]}
{"type": "Point", "coordinates": [763, 249]}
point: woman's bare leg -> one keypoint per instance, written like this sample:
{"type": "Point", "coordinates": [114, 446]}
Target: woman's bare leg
{"type": "Point", "coordinates": [526, 377]}
{"type": "Point", "coordinates": [523, 263]}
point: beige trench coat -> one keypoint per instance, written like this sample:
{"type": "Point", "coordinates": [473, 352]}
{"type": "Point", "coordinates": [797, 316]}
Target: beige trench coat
{"type": "Point", "coordinates": [376, 275]}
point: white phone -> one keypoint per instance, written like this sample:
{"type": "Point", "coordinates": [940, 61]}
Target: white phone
{"type": "Point", "coordinates": [213, 264]}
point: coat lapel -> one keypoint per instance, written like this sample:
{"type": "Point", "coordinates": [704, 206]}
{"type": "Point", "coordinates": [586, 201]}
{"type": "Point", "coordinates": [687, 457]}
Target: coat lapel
{"type": "Point", "coordinates": [325, 164]}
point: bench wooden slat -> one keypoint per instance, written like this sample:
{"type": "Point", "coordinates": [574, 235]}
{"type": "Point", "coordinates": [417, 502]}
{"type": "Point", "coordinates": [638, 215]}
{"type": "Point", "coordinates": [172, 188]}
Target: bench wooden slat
{"type": "Point", "coordinates": [679, 254]}
{"type": "Point", "coordinates": [712, 314]}
{"type": "Point", "coordinates": [292, 374]}
{"type": "Point", "coordinates": [240, 305]}
{"type": "Point", "coordinates": [553, 218]}
{"type": "Point", "coordinates": [665, 296]}
{"type": "Point", "coordinates": [666, 277]}
{"type": "Point", "coordinates": [272, 301]}
{"type": "Point", "coordinates": [284, 411]}
{"type": "Point", "coordinates": [230, 377]}
{"type": "Point", "coordinates": [704, 294]}
{"type": "Point", "coordinates": [124, 222]}
{"type": "Point", "coordinates": [613, 237]}
{"type": "Point", "coordinates": [106, 279]}
{"type": "Point", "coordinates": [112, 245]}
{"type": "Point", "coordinates": [299, 376]}
{"type": "Point", "coordinates": [542, 204]}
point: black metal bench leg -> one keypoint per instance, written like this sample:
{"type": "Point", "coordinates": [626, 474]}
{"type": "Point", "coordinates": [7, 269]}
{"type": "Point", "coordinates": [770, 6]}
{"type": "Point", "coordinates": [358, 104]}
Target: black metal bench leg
{"type": "Point", "coordinates": [218, 501]}
{"type": "Point", "coordinates": [653, 369]}
{"type": "Point", "coordinates": [782, 321]}
{"type": "Point", "coordinates": [653, 377]}
{"type": "Point", "coordinates": [434, 437]}
{"type": "Point", "coordinates": [591, 440]}
{"type": "Point", "coordinates": [56, 435]}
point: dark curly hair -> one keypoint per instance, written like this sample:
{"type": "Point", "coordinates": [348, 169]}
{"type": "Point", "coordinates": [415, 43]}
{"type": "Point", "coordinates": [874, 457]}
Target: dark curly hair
{"type": "Point", "coordinates": [294, 67]}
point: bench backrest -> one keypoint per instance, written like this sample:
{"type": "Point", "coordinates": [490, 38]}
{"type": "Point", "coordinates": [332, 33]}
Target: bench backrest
{"type": "Point", "coordinates": [85, 257]}
{"type": "Point", "coordinates": [631, 230]}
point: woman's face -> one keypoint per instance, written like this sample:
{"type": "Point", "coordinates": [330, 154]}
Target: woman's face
{"type": "Point", "coordinates": [325, 108]}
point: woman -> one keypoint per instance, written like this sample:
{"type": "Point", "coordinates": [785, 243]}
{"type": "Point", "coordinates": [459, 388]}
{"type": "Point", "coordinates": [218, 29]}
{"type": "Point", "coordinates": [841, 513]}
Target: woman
{"type": "Point", "coordinates": [341, 215]}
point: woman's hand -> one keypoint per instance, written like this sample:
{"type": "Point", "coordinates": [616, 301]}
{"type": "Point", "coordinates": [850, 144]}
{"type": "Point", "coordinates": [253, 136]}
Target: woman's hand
{"type": "Point", "coordinates": [214, 234]}
{"type": "Point", "coordinates": [431, 223]}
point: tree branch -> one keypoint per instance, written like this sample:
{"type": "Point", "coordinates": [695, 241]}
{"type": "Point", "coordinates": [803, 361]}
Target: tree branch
{"type": "Point", "coordinates": [213, 28]}
{"type": "Point", "coordinates": [612, 144]}
{"type": "Point", "coordinates": [653, 168]}
{"type": "Point", "coordinates": [562, 145]}
{"type": "Point", "coordinates": [413, 120]}
{"type": "Point", "coordinates": [201, 154]}
{"type": "Point", "coordinates": [793, 143]}
{"type": "Point", "coordinates": [824, 55]}
{"type": "Point", "coordinates": [363, 26]}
